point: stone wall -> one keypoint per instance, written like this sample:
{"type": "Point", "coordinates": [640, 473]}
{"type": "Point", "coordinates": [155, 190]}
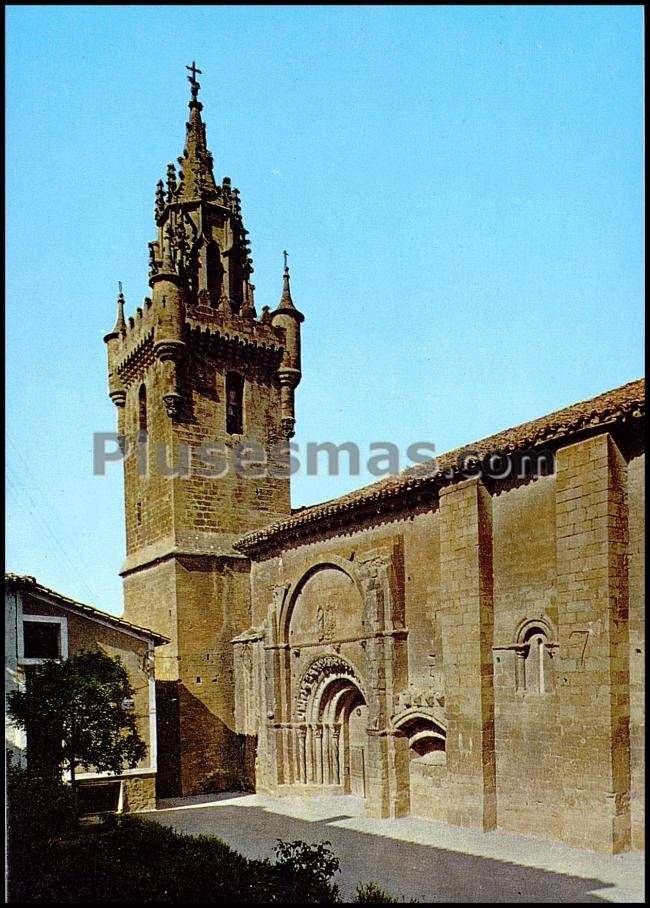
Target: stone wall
{"type": "Point", "coordinates": [466, 590]}
{"type": "Point", "coordinates": [148, 498]}
{"type": "Point", "coordinates": [636, 592]}
{"type": "Point", "coordinates": [181, 576]}
{"type": "Point", "coordinates": [428, 792]}
{"type": "Point", "coordinates": [229, 504]}
{"type": "Point", "coordinates": [138, 793]}
{"type": "Point", "coordinates": [542, 737]}
{"type": "Point", "coordinates": [202, 603]}
{"type": "Point", "coordinates": [591, 520]}
{"type": "Point", "coordinates": [526, 721]}
{"type": "Point", "coordinates": [212, 609]}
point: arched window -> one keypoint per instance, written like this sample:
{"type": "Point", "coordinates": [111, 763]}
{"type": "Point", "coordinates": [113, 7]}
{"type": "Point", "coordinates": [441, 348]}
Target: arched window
{"type": "Point", "coordinates": [234, 404]}
{"type": "Point", "coordinates": [142, 409]}
{"type": "Point", "coordinates": [537, 661]}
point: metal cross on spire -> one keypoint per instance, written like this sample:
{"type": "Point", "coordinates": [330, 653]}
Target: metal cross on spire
{"type": "Point", "coordinates": [193, 69]}
{"type": "Point", "coordinates": [286, 256]}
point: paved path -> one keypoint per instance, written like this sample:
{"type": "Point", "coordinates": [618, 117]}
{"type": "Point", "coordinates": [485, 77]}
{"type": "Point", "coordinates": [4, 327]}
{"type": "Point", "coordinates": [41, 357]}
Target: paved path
{"type": "Point", "coordinates": [412, 858]}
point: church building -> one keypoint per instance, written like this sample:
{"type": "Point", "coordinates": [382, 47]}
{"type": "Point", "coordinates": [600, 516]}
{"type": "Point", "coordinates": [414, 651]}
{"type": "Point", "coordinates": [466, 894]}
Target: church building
{"type": "Point", "coordinates": [463, 641]}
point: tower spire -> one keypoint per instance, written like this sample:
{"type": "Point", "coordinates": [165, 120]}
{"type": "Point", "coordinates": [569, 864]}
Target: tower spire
{"type": "Point", "coordinates": [287, 319]}
{"type": "Point", "coordinates": [113, 340]}
{"type": "Point", "coordinates": [198, 178]}
{"type": "Point", "coordinates": [285, 300]}
{"type": "Point", "coordinates": [120, 323]}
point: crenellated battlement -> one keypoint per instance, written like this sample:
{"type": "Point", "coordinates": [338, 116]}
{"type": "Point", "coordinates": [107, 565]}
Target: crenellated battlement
{"type": "Point", "coordinates": [237, 339]}
{"type": "Point", "coordinates": [131, 346]}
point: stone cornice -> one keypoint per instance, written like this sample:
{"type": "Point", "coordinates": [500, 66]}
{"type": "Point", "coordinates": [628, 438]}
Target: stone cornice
{"type": "Point", "coordinates": [190, 545]}
{"type": "Point", "coordinates": [137, 356]}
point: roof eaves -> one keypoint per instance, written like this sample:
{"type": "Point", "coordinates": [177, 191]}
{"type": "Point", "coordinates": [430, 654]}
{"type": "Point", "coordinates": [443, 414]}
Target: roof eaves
{"type": "Point", "coordinates": [31, 584]}
{"type": "Point", "coordinates": [597, 412]}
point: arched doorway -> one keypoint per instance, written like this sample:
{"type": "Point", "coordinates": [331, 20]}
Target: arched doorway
{"type": "Point", "coordinates": [426, 735]}
{"type": "Point", "coordinates": [332, 725]}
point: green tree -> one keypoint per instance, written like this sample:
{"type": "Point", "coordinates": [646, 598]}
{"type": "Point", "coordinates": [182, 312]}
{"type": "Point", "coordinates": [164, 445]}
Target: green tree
{"type": "Point", "coordinates": [78, 706]}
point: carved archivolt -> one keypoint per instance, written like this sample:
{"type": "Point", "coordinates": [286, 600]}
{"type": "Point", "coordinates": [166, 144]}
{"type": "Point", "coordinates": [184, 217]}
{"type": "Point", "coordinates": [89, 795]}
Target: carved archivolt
{"type": "Point", "coordinates": [322, 668]}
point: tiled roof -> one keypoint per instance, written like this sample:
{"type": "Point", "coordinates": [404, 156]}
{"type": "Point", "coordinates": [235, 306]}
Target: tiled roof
{"type": "Point", "coordinates": [613, 406]}
{"type": "Point", "coordinates": [30, 584]}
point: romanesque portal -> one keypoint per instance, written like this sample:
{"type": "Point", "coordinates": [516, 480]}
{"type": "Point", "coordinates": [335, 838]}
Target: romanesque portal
{"type": "Point", "coordinates": [326, 674]}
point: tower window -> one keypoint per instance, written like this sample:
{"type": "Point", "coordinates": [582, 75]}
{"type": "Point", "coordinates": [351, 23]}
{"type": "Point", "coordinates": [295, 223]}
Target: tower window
{"type": "Point", "coordinates": [235, 287]}
{"type": "Point", "coordinates": [234, 404]}
{"type": "Point", "coordinates": [214, 271]}
{"type": "Point", "coordinates": [142, 409]}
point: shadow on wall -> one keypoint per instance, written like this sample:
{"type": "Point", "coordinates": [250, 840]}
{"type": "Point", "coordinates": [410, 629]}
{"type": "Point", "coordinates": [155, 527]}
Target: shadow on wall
{"type": "Point", "coordinates": [213, 759]}
{"type": "Point", "coordinates": [168, 774]}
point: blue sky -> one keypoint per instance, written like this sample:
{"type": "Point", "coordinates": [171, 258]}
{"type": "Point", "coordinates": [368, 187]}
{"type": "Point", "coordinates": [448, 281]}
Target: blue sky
{"type": "Point", "coordinates": [459, 189]}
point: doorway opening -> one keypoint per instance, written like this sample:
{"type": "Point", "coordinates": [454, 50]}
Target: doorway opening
{"type": "Point", "coordinates": [333, 741]}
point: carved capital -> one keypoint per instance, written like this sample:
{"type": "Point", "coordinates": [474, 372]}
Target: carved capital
{"type": "Point", "coordinates": [172, 403]}
{"type": "Point", "coordinates": [279, 595]}
{"type": "Point", "coordinates": [375, 573]}
{"type": "Point", "coordinates": [372, 566]}
{"type": "Point", "coordinates": [288, 426]}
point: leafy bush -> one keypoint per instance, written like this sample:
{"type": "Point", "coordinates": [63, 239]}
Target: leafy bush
{"type": "Point", "coordinates": [138, 861]}
{"type": "Point", "coordinates": [51, 859]}
{"type": "Point", "coordinates": [38, 809]}
{"type": "Point", "coordinates": [371, 892]}
{"type": "Point", "coordinates": [314, 865]}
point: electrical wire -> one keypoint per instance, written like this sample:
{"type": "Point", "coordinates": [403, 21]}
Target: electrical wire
{"type": "Point", "coordinates": [38, 517]}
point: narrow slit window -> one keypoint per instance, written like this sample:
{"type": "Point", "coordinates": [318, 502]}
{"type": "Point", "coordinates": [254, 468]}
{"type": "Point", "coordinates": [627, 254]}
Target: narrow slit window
{"type": "Point", "coordinates": [142, 409]}
{"type": "Point", "coordinates": [214, 271]}
{"type": "Point", "coordinates": [234, 404]}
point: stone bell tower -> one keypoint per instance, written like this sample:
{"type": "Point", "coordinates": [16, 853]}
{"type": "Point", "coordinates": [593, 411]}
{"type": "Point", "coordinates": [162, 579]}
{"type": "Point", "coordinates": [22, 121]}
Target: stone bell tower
{"type": "Point", "coordinates": [204, 391]}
